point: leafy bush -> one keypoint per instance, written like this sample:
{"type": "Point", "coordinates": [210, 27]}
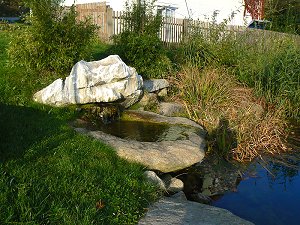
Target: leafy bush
{"type": "Point", "coordinates": [139, 45]}
{"type": "Point", "coordinates": [53, 41]}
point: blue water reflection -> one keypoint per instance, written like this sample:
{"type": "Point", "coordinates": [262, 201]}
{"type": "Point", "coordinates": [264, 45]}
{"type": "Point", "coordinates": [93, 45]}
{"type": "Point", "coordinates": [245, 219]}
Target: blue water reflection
{"type": "Point", "coordinates": [266, 199]}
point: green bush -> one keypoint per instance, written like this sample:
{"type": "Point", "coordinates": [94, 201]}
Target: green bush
{"type": "Point", "coordinates": [139, 45]}
{"type": "Point", "coordinates": [53, 41]}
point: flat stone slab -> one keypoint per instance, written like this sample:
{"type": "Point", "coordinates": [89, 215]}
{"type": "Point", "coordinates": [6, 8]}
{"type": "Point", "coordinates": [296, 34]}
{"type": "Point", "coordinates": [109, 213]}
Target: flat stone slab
{"type": "Point", "coordinates": [164, 156]}
{"type": "Point", "coordinates": [178, 211]}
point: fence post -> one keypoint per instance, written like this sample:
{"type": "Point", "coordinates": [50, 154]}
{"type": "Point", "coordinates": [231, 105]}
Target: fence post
{"type": "Point", "coordinates": [110, 23]}
{"type": "Point", "coordinates": [185, 29]}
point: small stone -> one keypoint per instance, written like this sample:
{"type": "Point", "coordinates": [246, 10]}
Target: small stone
{"type": "Point", "coordinates": [172, 184]}
{"type": "Point", "coordinates": [163, 92]}
{"type": "Point", "coordinates": [201, 198]}
{"type": "Point", "coordinates": [154, 179]}
{"type": "Point", "coordinates": [148, 99]}
{"type": "Point", "coordinates": [170, 109]}
{"type": "Point", "coordinates": [155, 85]}
{"type": "Point", "coordinates": [180, 196]}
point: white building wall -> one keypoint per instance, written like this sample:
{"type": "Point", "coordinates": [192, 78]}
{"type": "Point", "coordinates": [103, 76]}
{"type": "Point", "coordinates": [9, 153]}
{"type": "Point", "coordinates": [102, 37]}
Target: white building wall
{"type": "Point", "coordinates": [196, 9]}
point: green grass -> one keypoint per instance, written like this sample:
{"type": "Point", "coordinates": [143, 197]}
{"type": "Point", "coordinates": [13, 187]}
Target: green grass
{"type": "Point", "coordinates": [272, 67]}
{"type": "Point", "coordinates": [267, 62]}
{"type": "Point", "coordinates": [49, 174]}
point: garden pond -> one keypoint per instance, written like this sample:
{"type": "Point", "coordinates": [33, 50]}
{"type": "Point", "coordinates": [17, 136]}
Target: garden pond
{"type": "Point", "coordinates": [268, 192]}
{"type": "Point", "coordinates": [265, 192]}
{"type": "Point", "coordinates": [265, 197]}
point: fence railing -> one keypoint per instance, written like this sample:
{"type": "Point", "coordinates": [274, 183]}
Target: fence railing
{"type": "Point", "coordinates": [172, 31]}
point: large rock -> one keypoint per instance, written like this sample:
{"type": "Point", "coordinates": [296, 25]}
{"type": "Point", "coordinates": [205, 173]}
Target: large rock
{"type": "Point", "coordinates": [166, 155]}
{"type": "Point", "coordinates": [178, 211]}
{"type": "Point", "coordinates": [107, 80]}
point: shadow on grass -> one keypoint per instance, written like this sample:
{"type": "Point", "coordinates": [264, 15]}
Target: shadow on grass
{"type": "Point", "coordinates": [22, 127]}
{"type": "Point", "coordinates": [51, 175]}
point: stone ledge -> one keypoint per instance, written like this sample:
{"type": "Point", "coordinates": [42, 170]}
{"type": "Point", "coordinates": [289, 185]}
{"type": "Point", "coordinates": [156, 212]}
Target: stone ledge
{"type": "Point", "coordinates": [178, 211]}
{"type": "Point", "coordinates": [164, 156]}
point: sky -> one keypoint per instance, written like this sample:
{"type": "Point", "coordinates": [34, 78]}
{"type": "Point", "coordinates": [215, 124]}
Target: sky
{"type": "Point", "coordinates": [201, 9]}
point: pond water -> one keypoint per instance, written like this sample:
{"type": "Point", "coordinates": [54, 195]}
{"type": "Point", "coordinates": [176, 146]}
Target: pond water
{"type": "Point", "coordinates": [135, 130]}
{"type": "Point", "coordinates": [265, 193]}
{"type": "Point", "coordinates": [267, 196]}
{"type": "Point", "coordinates": [263, 198]}
{"type": "Point", "coordinates": [145, 131]}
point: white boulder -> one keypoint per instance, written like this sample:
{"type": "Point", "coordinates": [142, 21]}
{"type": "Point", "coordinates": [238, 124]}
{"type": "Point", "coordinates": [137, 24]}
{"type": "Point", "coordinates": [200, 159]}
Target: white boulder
{"type": "Point", "coordinates": [106, 80]}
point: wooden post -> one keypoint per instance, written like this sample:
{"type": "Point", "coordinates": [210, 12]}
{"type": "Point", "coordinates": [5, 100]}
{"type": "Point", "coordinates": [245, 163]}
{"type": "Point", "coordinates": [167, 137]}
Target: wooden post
{"type": "Point", "coordinates": [185, 29]}
{"type": "Point", "coordinates": [110, 22]}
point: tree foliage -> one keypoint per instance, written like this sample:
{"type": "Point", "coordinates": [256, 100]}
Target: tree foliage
{"type": "Point", "coordinates": [12, 8]}
{"type": "Point", "coordinates": [139, 45]}
{"type": "Point", "coordinates": [9, 8]}
{"type": "Point", "coordinates": [54, 39]}
{"type": "Point", "coordinates": [284, 15]}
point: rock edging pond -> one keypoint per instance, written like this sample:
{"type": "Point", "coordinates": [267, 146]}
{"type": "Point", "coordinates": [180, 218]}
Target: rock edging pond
{"type": "Point", "coordinates": [176, 210]}
{"type": "Point", "coordinates": [164, 156]}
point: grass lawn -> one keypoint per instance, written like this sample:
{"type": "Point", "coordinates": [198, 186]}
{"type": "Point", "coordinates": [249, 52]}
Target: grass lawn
{"type": "Point", "coordinates": [51, 175]}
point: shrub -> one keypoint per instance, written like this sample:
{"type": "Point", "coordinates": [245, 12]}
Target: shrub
{"type": "Point", "coordinates": [53, 41]}
{"type": "Point", "coordinates": [204, 47]}
{"type": "Point", "coordinates": [139, 45]}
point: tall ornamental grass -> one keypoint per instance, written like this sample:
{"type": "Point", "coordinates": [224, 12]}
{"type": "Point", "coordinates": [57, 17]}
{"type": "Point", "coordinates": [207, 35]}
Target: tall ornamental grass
{"type": "Point", "coordinates": [271, 65]}
{"type": "Point", "coordinates": [139, 45]}
{"type": "Point", "coordinates": [242, 86]}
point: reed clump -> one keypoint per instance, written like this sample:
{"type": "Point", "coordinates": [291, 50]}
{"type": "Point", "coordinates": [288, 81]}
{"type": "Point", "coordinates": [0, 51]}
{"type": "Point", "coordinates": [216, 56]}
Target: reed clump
{"type": "Point", "coordinates": [240, 126]}
{"type": "Point", "coordinates": [242, 85]}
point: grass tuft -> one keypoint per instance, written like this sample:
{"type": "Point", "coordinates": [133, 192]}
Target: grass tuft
{"type": "Point", "coordinates": [240, 126]}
